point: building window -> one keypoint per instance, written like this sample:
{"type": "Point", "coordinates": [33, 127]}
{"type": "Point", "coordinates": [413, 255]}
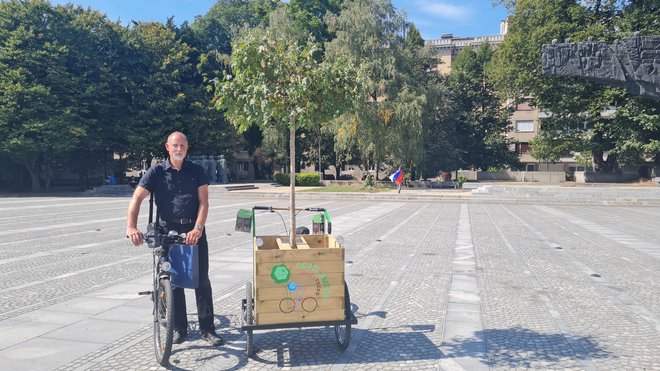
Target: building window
{"type": "Point", "coordinates": [522, 147]}
{"type": "Point", "coordinates": [242, 166]}
{"type": "Point", "coordinates": [530, 167]}
{"type": "Point", "coordinates": [524, 126]}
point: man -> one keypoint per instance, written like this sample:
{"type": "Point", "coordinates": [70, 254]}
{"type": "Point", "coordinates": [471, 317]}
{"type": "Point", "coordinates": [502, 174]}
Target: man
{"type": "Point", "coordinates": [181, 191]}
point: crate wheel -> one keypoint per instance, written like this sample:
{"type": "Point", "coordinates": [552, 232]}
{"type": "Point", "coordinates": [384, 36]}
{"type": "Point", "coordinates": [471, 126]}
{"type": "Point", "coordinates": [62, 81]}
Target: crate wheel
{"type": "Point", "coordinates": [249, 318]}
{"type": "Point", "coordinates": [343, 332]}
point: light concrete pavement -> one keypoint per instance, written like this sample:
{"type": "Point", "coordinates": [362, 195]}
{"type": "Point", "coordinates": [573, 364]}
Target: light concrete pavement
{"type": "Point", "coordinates": [450, 280]}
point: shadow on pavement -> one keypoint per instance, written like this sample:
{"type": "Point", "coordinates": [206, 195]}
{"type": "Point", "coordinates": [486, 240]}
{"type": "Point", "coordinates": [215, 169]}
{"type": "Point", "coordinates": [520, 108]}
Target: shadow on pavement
{"type": "Point", "coordinates": [521, 347]}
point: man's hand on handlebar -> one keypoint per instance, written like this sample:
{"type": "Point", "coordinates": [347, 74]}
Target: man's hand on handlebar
{"type": "Point", "coordinates": [192, 237]}
{"type": "Point", "coordinates": [135, 236]}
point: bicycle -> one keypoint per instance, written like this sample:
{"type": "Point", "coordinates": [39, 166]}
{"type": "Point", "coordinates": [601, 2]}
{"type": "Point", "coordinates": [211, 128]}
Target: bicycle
{"type": "Point", "coordinates": [162, 294]}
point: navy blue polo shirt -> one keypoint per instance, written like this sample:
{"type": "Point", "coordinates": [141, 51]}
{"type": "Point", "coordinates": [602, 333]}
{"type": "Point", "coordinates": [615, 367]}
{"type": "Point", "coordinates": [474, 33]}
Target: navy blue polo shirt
{"type": "Point", "coordinates": [175, 191]}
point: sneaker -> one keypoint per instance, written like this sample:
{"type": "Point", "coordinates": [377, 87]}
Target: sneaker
{"type": "Point", "coordinates": [178, 337]}
{"type": "Point", "coordinates": [212, 338]}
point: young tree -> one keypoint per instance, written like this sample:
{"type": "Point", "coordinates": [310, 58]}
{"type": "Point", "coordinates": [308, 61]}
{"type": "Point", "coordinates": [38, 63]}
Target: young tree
{"type": "Point", "coordinates": [277, 81]}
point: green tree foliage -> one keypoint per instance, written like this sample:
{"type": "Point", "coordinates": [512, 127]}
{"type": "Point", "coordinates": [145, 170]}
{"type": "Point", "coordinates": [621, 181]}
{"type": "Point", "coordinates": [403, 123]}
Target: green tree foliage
{"type": "Point", "coordinates": [308, 16]}
{"type": "Point", "coordinates": [442, 139]}
{"type": "Point", "coordinates": [58, 89]}
{"type": "Point", "coordinates": [387, 121]}
{"type": "Point", "coordinates": [76, 89]}
{"type": "Point", "coordinates": [277, 81]}
{"type": "Point", "coordinates": [413, 37]}
{"type": "Point", "coordinates": [548, 150]}
{"type": "Point", "coordinates": [216, 29]}
{"type": "Point", "coordinates": [482, 122]}
{"type": "Point", "coordinates": [211, 35]}
{"type": "Point", "coordinates": [167, 94]}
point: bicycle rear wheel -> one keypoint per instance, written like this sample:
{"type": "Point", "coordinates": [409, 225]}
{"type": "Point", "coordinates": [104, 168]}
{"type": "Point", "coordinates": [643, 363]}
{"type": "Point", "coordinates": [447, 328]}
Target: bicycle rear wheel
{"type": "Point", "coordinates": [343, 332]}
{"type": "Point", "coordinates": [163, 321]}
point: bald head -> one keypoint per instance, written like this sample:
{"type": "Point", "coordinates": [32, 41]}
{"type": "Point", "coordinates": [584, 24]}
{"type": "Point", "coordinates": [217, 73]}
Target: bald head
{"type": "Point", "coordinates": [177, 147]}
{"type": "Point", "coordinates": [178, 134]}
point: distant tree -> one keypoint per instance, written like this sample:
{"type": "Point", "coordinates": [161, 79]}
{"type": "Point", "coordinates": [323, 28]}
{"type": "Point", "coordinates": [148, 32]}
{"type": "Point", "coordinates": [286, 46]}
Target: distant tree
{"type": "Point", "coordinates": [387, 121]}
{"type": "Point", "coordinates": [168, 93]}
{"type": "Point", "coordinates": [216, 29]}
{"type": "Point", "coordinates": [483, 120]}
{"type": "Point", "coordinates": [546, 150]}
{"type": "Point", "coordinates": [308, 16]}
{"type": "Point", "coordinates": [59, 92]}
{"type": "Point", "coordinates": [413, 37]}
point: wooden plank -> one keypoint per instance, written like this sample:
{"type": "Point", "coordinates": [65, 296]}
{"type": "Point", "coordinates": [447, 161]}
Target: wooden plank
{"type": "Point", "coordinates": [277, 293]}
{"type": "Point", "coordinates": [336, 266]}
{"type": "Point", "coordinates": [308, 304]}
{"type": "Point", "coordinates": [309, 279]}
{"type": "Point", "coordinates": [316, 241]}
{"type": "Point", "coordinates": [283, 243]}
{"type": "Point", "coordinates": [294, 317]}
{"type": "Point", "coordinates": [302, 255]}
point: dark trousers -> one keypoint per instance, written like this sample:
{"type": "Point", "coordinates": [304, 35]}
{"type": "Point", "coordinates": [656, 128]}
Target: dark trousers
{"type": "Point", "coordinates": [203, 294]}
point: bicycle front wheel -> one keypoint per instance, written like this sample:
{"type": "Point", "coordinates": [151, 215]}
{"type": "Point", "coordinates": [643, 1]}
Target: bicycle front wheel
{"type": "Point", "coordinates": [163, 321]}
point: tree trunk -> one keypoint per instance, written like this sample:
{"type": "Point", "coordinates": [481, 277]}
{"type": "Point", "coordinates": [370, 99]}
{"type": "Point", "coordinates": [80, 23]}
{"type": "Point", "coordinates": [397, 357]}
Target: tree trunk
{"type": "Point", "coordinates": [33, 169]}
{"type": "Point", "coordinates": [377, 166]}
{"type": "Point", "coordinates": [49, 173]}
{"type": "Point", "coordinates": [292, 184]}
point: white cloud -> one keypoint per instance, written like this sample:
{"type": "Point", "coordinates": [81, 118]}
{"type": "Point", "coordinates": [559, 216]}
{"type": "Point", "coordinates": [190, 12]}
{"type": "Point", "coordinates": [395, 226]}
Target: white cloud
{"type": "Point", "coordinates": [443, 10]}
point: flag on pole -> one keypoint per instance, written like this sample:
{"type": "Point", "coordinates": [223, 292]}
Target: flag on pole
{"type": "Point", "coordinates": [397, 177]}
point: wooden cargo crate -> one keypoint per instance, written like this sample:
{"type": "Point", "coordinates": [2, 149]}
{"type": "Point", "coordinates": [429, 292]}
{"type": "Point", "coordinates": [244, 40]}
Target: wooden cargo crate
{"type": "Point", "coordinates": [305, 284]}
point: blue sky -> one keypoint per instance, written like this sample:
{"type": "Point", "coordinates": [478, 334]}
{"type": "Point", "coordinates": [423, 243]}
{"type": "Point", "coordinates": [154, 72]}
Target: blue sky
{"type": "Point", "coordinates": [432, 17]}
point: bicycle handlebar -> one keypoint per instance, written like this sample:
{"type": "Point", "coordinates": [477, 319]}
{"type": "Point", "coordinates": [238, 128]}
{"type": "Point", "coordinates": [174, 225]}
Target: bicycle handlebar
{"type": "Point", "coordinates": [156, 236]}
{"type": "Point", "coordinates": [272, 209]}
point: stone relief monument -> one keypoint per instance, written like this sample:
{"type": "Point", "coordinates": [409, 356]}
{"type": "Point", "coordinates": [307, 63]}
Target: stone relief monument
{"type": "Point", "coordinates": [632, 63]}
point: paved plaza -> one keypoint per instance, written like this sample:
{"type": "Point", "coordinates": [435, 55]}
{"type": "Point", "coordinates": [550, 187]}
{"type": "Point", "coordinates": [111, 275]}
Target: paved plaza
{"type": "Point", "coordinates": [438, 281]}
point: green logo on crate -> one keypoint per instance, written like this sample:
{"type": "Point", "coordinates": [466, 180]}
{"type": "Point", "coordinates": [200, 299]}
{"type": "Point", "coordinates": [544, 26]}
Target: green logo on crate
{"type": "Point", "coordinates": [321, 278]}
{"type": "Point", "coordinates": [280, 273]}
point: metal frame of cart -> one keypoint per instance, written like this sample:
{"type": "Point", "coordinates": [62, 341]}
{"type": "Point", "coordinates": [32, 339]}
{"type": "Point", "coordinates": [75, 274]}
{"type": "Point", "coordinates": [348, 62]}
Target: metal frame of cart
{"type": "Point", "coordinates": [282, 276]}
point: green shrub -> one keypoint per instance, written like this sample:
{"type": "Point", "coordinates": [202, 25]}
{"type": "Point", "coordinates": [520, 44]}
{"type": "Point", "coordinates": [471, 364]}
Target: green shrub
{"type": "Point", "coordinates": [369, 181]}
{"type": "Point", "coordinates": [303, 179]}
{"type": "Point", "coordinates": [282, 178]}
{"type": "Point", "coordinates": [462, 179]}
{"type": "Point", "coordinates": [308, 179]}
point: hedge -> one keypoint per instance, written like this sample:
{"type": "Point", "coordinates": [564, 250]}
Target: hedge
{"type": "Point", "coordinates": [302, 179]}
